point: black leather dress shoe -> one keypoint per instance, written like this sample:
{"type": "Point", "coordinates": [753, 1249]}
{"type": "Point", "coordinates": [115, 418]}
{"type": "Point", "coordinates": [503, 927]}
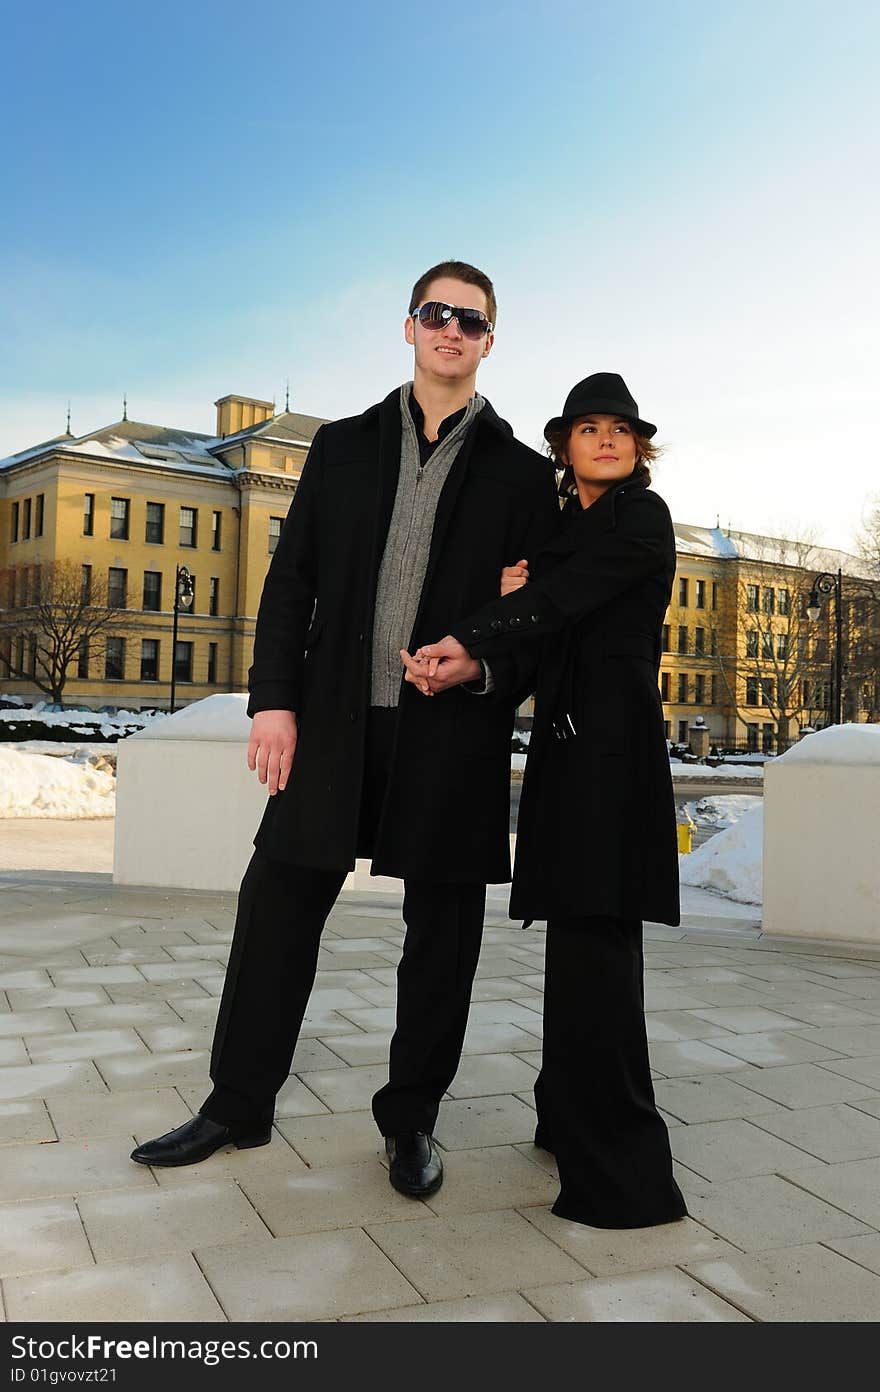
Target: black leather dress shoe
{"type": "Point", "coordinates": [416, 1168]}
{"type": "Point", "coordinates": [197, 1139]}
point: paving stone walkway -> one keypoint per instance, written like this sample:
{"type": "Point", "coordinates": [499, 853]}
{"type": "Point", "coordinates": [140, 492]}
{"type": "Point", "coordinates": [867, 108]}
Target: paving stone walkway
{"type": "Point", "coordinates": [767, 1061]}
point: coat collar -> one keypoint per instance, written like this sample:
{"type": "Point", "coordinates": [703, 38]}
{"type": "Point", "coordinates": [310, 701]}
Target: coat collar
{"type": "Point", "coordinates": [580, 522]}
{"type": "Point", "coordinates": [388, 411]}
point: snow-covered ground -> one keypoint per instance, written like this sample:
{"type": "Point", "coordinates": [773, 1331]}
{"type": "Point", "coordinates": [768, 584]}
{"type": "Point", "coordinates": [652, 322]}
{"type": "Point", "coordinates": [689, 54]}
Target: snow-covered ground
{"type": "Point", "coordinates": [38, 785]}
{"type": "Point", "coordinates": [753, 772]}
{"type": "Point", "coordinates": [731, 863]}
{"type": "Point", "coordinates": [717, 812]}
{"type": "Point", "coordinates": [78, 721]}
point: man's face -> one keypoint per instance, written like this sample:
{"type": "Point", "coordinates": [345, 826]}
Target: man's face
{"type": "Point", "coordinates": [446, 353]}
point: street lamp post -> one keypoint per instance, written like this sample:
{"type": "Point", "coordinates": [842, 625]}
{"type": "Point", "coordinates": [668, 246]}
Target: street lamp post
{"type": "Point", "coordinates": [184, 586]}
{"type": "Point", "coordinates": [826, 584]}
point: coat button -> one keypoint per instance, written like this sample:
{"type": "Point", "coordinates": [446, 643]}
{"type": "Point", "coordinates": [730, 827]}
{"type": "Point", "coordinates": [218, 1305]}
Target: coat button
{"type": "Point", "coordinates": [535, 618]}
{"type": "Point", "coordinates": [353, 715]}
{"type": "Point", "coordinates": [360, 637]}
{"type": "Point", "coordinates": [476, 632]}
{"type": "Point", "coordinates": [514, 622]}
{"type": "Point", "coordinates": [497, 623]}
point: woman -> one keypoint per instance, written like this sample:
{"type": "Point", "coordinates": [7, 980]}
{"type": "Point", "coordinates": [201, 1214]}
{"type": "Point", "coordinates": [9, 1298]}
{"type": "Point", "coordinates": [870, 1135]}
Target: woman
{"type": "Point", "coordinates": [596, 846]}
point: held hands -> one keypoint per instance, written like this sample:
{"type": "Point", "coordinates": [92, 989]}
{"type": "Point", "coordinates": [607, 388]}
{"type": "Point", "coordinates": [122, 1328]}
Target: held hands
{"type": "Point", "coordinates": [440, 666]}
{"type": "Point", "coordinates": [271, 747]}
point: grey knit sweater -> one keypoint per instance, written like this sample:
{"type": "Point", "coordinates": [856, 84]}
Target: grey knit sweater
{"type": "Point", "coordinates": [405, 559]}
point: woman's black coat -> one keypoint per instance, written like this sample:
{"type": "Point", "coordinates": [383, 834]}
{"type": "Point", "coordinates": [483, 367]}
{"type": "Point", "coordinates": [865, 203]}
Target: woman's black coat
{"type": "Point", "coordinates": [596, 831]}
{"type": "Point", "coordinates": [447, 809]}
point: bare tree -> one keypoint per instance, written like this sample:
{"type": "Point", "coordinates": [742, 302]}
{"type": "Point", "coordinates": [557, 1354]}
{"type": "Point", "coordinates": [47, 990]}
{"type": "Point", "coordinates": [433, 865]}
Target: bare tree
{"type": "Point", "coordinates": [772, 655]}
{"type": "Point", "coordinates": [862, 684]}
{"type": "Point", "coordinates": [52, 617]}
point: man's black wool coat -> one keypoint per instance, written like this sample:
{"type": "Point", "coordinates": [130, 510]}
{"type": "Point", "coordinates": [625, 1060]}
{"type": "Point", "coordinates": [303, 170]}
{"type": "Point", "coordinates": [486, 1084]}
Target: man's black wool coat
{"type": "Point", "coordinates": [446, 813]}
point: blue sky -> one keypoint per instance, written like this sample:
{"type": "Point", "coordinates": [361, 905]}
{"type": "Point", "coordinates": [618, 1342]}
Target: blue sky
{"type": "Point", "coordinates": [204, 198]}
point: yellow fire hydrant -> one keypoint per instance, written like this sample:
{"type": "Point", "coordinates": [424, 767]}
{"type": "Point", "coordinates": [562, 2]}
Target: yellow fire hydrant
{"type": "Point", "coordinates": [686, 828]}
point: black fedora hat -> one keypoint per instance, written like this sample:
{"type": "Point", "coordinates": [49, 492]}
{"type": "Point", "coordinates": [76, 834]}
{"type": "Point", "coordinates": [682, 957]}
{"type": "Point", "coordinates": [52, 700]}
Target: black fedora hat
{"type": "Point", "coordinates": [603, 394]}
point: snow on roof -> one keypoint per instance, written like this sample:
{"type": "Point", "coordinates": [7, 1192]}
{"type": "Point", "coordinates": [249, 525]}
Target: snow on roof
{"type": "Point", "coordinates": [854, 746]}
{"type": "Point", "coordinates": [713, 543]}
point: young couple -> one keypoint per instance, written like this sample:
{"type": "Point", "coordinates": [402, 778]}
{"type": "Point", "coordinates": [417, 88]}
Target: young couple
{"type": "Point", "coordinates": [406, 524]}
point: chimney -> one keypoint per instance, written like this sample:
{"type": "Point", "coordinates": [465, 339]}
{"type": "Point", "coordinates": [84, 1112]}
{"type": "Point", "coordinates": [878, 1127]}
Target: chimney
{"type": "Point", "coordinates": [236, 413]}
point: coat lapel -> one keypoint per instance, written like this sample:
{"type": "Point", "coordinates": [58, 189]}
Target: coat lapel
{"type": "Point", "coordinates": [389, 471]}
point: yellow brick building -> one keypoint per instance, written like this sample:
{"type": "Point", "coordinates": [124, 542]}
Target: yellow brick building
{"type": "Point", "coordinates": [133, 501]}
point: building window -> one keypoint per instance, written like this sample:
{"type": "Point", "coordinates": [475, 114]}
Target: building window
{"type": "Point", "coordinates": [782, 645]}
{"type": "Point", "coordinates": [783, 599]}
{"type": "Point", "coordinates": [766, 691]}
{"type": "Point", "coordinates": [114, 661]}
{"type": "Point", "coordinates": [188, 526]}
{"type": "Point", "coordinates": [682, 638]}
{"type": "Point", "coordinates": [88, 514]}
{"type": "Point", "coordinates": [769, 601]}
{"type": "Point", "coordinates": [212, 664]}
{"type": "Point", "coordinates": [664, 686]}
{"type": "Point", "coordinates": [667, 727]}
{"type": "Point", "coordinates": [752, 599]}
{"type": "Point", "coordinates": [117, 584]}
{"type": "Point", "coordinates": [713, 642]}
{"type": "Point", "coordinates": [752, 643]}
{"type": "Point", "coordinates": [82, 660]}
{"type": "Point", "coordinates": [700, 641]}
{"type": "Point", "coordinates": [805, 694]}
{"type": "Point", "coordinates": [149, 659]}
{"type": "Point", "coordinates": [752, 738]}
{"type": "Point", "coordinates": [701, 594]}
{"type": "Point", "coordinates": [768, 738]}
{"type": "Point", "coordinates": [119, 511]}
{"type": "Point", "coordinates": [183, 662]}
{"type": "Point", "coordinates": [40, 514]}
{"type": "Point", "coordinates": [26, 525]}
{"type": "Point", "coordinates": [682, 732]}
{"type": "Point", "coordinates": [214, 595]}
{"type": "Point", "coordinates": [86, 584]}
{"type": "Point", "coordinates": [152, 590]}
{"type": "Point", "coordinates": [664, 639]}
{"type": "Point", "coordinates": [274, 533]}
{"type": "Point", "coordinates": [13, 535]}
{"type": "Point", "coordinates": [820, 650]}
{"type": "Point", "coordinates": [683, 593]}
{"type": "Point", "coordinates": [155, 529]}
{"type": "Point", "coordinates": [714, 594]}
{"type": "Point", "coordinates": [751, 691]}
{"type": "Point", "coordinates": [215, 531]}
{"type": "Point", "coordinates": [700, 689]}
{"type": "Point", "coordinates": [767, 645]}
{"type": "Point", "coordinates": [682, 687]}
{"type": "Point", "coordinates": [714, 688]}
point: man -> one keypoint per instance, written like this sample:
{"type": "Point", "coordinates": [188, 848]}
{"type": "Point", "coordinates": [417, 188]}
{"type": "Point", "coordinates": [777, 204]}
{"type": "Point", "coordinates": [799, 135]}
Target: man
{"type": "Point", "coordinates": [402, 521]}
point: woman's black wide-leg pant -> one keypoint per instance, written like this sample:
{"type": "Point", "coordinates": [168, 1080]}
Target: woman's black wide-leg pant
{"type": "Point", "coordinates": [594, 1096]}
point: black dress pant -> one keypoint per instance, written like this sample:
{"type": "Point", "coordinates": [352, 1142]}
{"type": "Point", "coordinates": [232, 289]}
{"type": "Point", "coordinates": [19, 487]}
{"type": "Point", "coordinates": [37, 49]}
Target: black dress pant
{"type": "Point", "coordinates": [594, 1095]}
{"type": "Point", "coordinates": [282, 910]}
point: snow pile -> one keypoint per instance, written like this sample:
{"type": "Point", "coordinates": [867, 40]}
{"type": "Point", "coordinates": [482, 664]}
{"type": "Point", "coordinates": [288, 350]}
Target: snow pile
{"type": "Point", "coordinates": [220, 717]}
{"type": "Point", "coordinates": [719, 812]}
{"type": "Point", "coordinates": [731, 863]}
{"type": "Point", "coordinates": [34, 785]}
{"type": "Point", "coordinates": [854, 745]}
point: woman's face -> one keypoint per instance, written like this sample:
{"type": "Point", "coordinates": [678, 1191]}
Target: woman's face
{"type": "Point", "coordinates": [601, 450]}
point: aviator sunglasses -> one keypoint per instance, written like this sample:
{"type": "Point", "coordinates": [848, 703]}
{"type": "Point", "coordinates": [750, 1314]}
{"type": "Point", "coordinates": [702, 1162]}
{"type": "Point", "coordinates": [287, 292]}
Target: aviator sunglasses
{"type": "Point", "coordinates": [433, 314]}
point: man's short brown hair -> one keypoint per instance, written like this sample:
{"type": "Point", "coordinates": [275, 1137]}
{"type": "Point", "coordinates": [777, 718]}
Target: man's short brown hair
{"type": "Point", "coordinates": [455, 270]}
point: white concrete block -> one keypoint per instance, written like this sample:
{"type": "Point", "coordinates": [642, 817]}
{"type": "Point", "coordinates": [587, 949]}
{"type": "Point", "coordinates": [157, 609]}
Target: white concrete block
{"type": "Point", "coordinates": [822, 837]}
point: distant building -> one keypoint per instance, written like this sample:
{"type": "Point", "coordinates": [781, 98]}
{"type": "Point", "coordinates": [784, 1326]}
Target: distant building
{"type": "Point", "coordinates": [132, 501]}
